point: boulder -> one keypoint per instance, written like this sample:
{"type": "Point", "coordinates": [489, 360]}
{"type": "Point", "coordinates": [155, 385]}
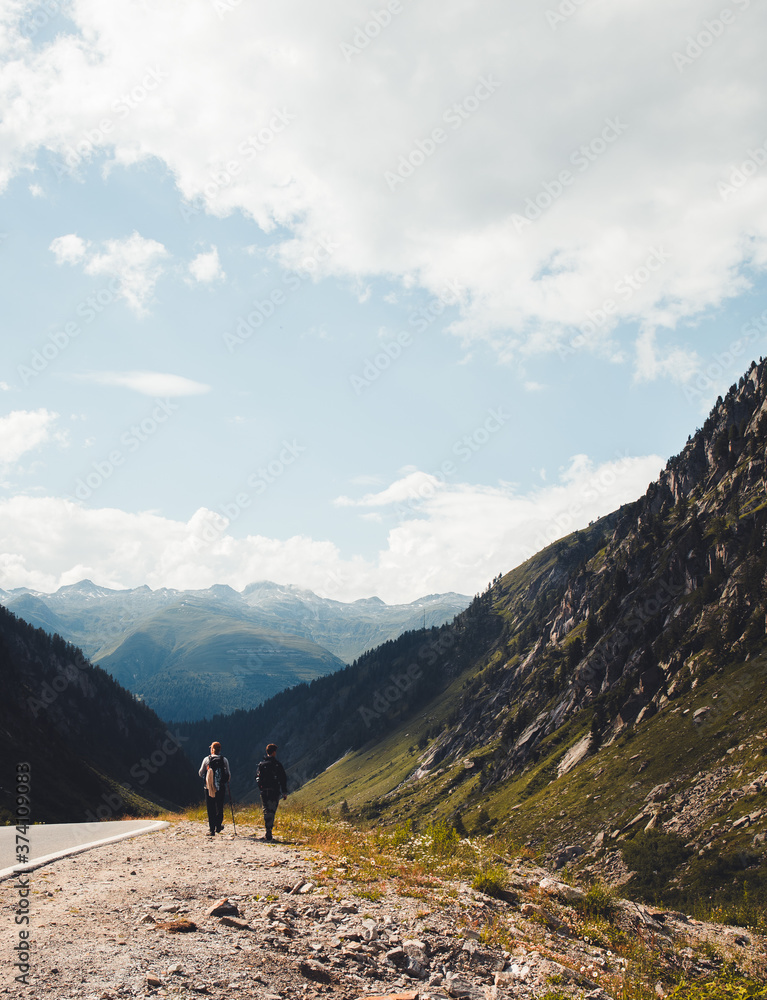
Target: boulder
{"type": "Point", "coordinates": [567, 854]}
{"type": "Point", "coordinates": [570, 893]}
{"type": "Point", "coordinates": [658, 793]}
{"type": "Point", "coordinates": [457, 986]}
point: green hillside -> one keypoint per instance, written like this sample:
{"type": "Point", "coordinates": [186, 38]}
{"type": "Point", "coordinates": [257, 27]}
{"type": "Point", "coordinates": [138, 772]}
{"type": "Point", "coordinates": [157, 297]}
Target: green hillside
{"type": "Point", "coordinates": [605, 802]}
{"type": "Point", "coordinates": [190, 661]}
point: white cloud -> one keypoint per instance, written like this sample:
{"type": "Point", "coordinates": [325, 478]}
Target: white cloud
{"type": "Point", "coordinates": [672, 362]}
{"type": "Point", "coordinates": [68, 249]}
{"type": "Point", "coordinates": [412, 487]}
{"type": "Point", "coordinates": [25, 430]}
{"type": "Point", "coordinates": [206, 267]}
{"type": "Point", "coordinates": [148, 383]}
{"type": "Point", "coordinates": [461, 537]}
{"type": "Point", "coordinates": [134, 263]}
{"type": "Point", "coordinates": [638, 222]}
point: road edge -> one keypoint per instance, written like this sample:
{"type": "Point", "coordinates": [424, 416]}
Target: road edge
{"type": "Point", "coordinates": [46, 859]}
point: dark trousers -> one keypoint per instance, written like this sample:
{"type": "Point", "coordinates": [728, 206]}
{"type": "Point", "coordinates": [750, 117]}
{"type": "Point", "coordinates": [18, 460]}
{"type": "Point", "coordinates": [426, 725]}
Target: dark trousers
{"type": "Point", "coordinates": [270, 801]}
{"type": "Point", "coordinates": [215, 809]}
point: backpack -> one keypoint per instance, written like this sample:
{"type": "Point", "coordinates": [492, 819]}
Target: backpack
{"type": "Point", "coordinates": [266, 776]}
{"type": "Point", "coordinates": [216, 775]}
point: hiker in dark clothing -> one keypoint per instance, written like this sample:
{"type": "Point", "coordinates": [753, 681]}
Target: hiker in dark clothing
{"type": "Point", "coordinates": [272, 782]}
{"type": "Point", "coordinates": [215, 770]}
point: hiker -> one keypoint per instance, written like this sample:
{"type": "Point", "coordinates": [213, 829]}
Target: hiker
{"type": "Point", "coordinates": [215, 770]}
{"type": "Point", "coordinates": [272, 782]}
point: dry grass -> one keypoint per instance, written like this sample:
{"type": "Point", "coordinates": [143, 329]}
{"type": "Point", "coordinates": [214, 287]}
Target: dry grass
{"type": "Point", "coordinates": [375, 863]}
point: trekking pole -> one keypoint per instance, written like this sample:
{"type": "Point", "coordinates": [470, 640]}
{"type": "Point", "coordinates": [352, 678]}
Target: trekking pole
{"type": "Point", "coordinates": [234, 825]}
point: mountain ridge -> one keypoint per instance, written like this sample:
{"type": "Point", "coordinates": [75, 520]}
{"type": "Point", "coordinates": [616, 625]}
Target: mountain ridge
{"type": "Point", "coordinates": [262, 597]}
{"type": "Point", "coordinates": [191, 658]}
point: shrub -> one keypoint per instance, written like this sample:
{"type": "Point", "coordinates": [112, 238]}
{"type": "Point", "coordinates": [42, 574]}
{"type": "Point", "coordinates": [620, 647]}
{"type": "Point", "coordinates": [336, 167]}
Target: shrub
{"type": "Point", "coordinates": [401, 834]}
{"type": "Point", "coordinates": [730, 986]}
{"type": "Point", "coordinates": [442, 838]}
{"type": "Point", "coordinates": [654, 856]}
{"type": "Point", "coordinates": [491, 880]}
{"type": "Point", "coordinates": [599, 901]}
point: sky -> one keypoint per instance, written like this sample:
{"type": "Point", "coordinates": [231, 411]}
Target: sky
{"type": "Point", "coordinates": [369, 298]}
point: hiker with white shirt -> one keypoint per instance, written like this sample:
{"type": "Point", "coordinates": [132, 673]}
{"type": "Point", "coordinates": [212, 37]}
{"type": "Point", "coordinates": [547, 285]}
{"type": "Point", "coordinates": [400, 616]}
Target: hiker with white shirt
{"type": "Point", "coordinates": [215, 770]}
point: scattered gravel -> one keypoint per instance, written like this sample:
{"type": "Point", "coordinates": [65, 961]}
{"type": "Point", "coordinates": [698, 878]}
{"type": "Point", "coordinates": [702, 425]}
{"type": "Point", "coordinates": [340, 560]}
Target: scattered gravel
{"type": "Point", "coordinates": [178, 914]}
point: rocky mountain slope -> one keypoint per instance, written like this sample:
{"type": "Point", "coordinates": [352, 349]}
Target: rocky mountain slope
{"type": "Point", "coordinates": [605, 692]}
{"type": "Point", "coordinates": [94, 751]}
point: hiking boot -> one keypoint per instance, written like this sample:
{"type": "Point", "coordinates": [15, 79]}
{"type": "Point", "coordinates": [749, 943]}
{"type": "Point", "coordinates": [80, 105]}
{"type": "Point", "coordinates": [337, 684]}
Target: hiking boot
{"type": "Point", "coordinates": [211, 833]}
{"type": "Point", "coordinates": [268, 835]}
{"type": "Point", "coordinates": [219, 829]}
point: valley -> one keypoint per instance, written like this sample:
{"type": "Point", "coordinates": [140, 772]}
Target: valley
{"type": "Point", "coordinates": [195, 654]}
{"type": "Point", "coordinates": [603, 698]}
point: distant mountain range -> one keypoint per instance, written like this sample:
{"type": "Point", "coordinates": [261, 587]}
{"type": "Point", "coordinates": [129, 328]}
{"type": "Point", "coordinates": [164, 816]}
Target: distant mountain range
{"type": "Point", "coordinates": [193, 654]}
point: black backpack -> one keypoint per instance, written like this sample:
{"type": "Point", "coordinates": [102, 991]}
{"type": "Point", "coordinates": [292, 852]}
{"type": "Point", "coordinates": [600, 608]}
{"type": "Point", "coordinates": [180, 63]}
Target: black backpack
{"type": "Point", "coordinates": [217, 766]}
{"type": "Point", "coordinates": [266, 776]}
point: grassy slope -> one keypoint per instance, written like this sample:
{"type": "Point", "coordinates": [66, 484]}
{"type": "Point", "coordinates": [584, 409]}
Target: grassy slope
{"type": "Point", "coordinates": [374, 771]}
{"type": "Point", "coordinates": [357, 776]}
{"type": "Point", "coordinates": [187, 662]}
{"type": "Point", "coordinates": [602, 793]}
{"type": "Point", "coordinates": [199, 635]}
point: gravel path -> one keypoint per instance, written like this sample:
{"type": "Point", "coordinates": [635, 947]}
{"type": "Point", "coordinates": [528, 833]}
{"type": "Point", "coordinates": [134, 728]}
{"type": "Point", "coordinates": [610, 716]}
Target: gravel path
{"type": "Point", "coordinates": [139, 918]}
{"type": "Point", "coordinates": [95, 919]}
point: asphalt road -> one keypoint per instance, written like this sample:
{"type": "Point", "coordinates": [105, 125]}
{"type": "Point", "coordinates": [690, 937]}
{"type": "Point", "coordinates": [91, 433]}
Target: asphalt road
{"type": "Point", "coordinates": [51, 841]}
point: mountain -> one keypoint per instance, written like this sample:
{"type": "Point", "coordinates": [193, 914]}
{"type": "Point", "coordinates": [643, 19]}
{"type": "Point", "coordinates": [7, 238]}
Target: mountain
{"type": "Point", "coordinates": [603, 701]}
{"type": "Point", "coordinates": [346, 629]}
{"type": "Point", "coordinates": [194, 659]}
{"type": "Point", "coordinates": [36, 612]}
{"type": "Point", "coordinates": [95, 617]}
{"type": "Point", "coordinates": [191, 654]}
{"type": "Point", "coordinates": [91, 617]}
{"type": "Point", "coordinates": [93, 751]}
